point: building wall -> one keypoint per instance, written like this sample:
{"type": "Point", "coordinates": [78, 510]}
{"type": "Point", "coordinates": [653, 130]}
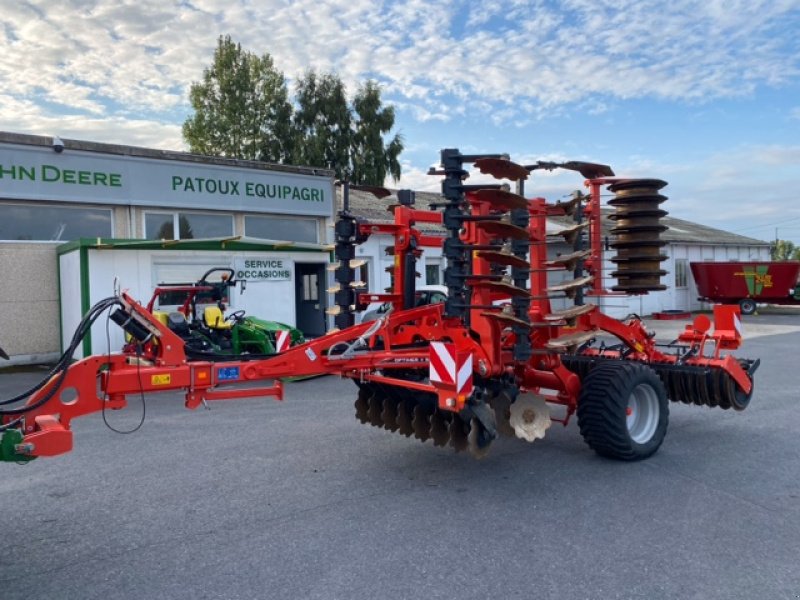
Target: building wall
{"type": "Point", "coordinates": [139, 271]}
{"type": "Point", "coordinates": [29, 322]}
{"type": "Point", "coordinates": [126, 181]}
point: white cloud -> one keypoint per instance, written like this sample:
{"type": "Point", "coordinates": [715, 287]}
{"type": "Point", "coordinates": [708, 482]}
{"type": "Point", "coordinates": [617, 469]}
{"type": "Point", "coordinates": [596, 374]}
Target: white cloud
{"type": "Point", "coordinates": [116, 55]}
{"type": "Point", "coordinates": [120, 70]}
{"type": "Point", "coordinates": [22, 116]}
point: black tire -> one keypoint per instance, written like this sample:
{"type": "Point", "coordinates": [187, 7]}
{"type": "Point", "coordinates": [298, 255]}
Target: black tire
{"type": "Point", "coordinates": [607, 392]}
{"type": "Point", "coordinates": [747, 306]}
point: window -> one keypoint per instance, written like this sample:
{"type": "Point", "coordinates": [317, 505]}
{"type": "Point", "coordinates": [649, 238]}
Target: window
{"type": "Point", "coordinates": [432, 274]}
{"type": "Point", "coordinates": [162, 225]}
{"type": "Point", "coordinates": [681, 266]}
{"type": "Point", "coordinates": [310, 287]}
{"type": "Point", "coordinates": [53, 223]}
{"type": "Point", "coordinates": [174, 299]}
{"type": "Point", "coordinates": [281, 228]}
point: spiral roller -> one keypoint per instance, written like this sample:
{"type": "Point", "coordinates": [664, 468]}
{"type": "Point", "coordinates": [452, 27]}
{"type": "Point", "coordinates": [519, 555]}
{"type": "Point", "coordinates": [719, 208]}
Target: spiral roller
{"type": "Point", "coordinates": [637, 234]}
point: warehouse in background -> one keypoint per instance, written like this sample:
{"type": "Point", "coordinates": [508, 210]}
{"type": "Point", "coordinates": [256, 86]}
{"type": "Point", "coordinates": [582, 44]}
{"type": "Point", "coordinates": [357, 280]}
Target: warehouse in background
{"type": "Point", "coordinates": [76, 215]}
{"type": "Point", "coordinates": [99, 197]}
{"type": "Point", "coordinates": [685, 242]}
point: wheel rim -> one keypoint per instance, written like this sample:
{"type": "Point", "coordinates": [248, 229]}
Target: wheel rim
{"type": "Point", "coordinates": [642, 414]}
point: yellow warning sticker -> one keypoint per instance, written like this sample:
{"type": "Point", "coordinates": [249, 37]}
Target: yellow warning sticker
{"type": "Point", "coordinates": [163, 379]}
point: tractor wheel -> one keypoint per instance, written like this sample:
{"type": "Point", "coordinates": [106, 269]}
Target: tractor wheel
{"type": "Point", "coordinates": [622, 410]}
{"type": "Point", "coordinates": [747, 306]}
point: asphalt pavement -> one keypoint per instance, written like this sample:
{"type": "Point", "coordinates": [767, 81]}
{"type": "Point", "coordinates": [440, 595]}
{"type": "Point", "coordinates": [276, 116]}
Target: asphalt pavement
{"type": "Point", "coordinates": [296, 499]}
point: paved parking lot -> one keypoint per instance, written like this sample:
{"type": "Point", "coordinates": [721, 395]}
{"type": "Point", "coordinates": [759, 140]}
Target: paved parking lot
{"type": "Point", "coordinates": [258, 499]}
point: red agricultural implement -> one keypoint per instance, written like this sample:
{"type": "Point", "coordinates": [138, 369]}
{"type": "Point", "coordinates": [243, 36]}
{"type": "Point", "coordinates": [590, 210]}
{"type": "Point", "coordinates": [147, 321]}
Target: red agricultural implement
{"type": "Point", "coordinates": [747, 283]}
{"type": "Point", "coordinates": [493, 359]}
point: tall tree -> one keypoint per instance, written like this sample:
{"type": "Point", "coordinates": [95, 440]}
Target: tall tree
{"type": "Point", "coordinates": [242, 110]}
{"type": "Point", "coordinates": [322, 122]}
{"type": "Point", "coordinates": [785, 250]}
{"type": "Point", "coordinates": [241, 107]}
{"type": "Point", "coordinates": [371, 160]}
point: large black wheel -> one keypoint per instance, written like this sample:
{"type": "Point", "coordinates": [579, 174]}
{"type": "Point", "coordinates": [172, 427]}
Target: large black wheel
{"type": "Point", "coordinates": [622, 410]}
{"type": "Point", "coordinates": [747, 306]}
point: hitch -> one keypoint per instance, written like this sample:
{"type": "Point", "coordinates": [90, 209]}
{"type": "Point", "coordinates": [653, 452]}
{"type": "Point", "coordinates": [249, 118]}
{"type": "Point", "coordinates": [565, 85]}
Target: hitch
{"type": "Point", "coordinates": [11, 445]}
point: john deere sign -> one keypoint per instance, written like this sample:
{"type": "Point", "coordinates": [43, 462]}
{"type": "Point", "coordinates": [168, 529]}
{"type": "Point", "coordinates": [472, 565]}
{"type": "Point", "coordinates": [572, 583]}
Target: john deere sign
{"type": "Point", "coordinates": [37, 173]}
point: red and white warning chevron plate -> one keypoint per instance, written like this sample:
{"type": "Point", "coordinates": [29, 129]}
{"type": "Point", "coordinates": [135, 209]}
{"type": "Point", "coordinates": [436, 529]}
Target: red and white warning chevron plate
{"type": "Point", "coordinates": [451, 368]}
{"type": "Point", "coordinates": [282, 340]}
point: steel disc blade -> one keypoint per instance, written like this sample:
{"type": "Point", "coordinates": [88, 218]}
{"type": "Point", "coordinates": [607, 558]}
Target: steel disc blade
{"type": "Point", "coordinates": [740, 399]}
{"type": "Point", "coordinates": [404, 417]}
{"type": "Point", "coordinates": [719, 390]}
{"type": "Point", "coordinates": [501, 168]}
{"type": "Point", "coordinates": [375, 409]}
{"type": "Point", "coordinates": [666, 378]}
{"type": "Point", "coordinates": [501, 403]}
{"type": "Point", "coordinates": [688, 386]}
{"type": "Point", "coordinates": [421, 423]}
{"type": "Point", "coordinates": [458, 434]}
{"type": "Point", "coordinates": [477, 442]}
{"type": "Point", "coordinates": [701, 389]}
{"type": "Point", "coordinates": [389, 414]}
{"type": "Point", "coordinates": [440, 429]}
{"type": "Point", "coordinates": [362, 406]}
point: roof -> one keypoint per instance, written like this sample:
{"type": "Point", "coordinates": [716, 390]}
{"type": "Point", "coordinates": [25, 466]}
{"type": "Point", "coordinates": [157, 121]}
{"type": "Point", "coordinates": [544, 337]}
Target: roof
{"type": "Point", "coordinates": [364, 204]}
{"type": "Point", "coordinates": [234, 243]}
{"type": "Point", "coordinates": [122, 150]}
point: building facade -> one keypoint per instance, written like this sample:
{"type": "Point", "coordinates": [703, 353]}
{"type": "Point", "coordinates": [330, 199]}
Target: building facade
{"type": "Point", "coordinates": [79, 218]}
{"type": "Point", "coordinates": [53, 193]}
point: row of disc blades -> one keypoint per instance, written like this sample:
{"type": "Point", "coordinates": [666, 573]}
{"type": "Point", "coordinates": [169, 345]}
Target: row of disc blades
{"type": "Point", "coordinates": [703, 386]}
{"type": "Point", "coordinates": [689, 384]}
{"type": "Point", "coordinates": [423, 420]}
{"type": "Point", "coordinates": [416, 414]}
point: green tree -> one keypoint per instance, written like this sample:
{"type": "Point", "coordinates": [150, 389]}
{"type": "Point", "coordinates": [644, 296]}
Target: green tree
{"type": "Point", "coordinates": [322, 122]}
{"type": "Point", "coordinates": [241, 108]}
{"type": "Point", "coordinates": [371, 160]}
{"type": "Point", "coordinates": [785, 250]}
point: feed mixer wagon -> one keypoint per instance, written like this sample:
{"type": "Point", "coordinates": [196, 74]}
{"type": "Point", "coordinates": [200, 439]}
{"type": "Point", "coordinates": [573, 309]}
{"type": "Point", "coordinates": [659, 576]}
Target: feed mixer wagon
{"type": "Point", "coordinates": [496, 358]}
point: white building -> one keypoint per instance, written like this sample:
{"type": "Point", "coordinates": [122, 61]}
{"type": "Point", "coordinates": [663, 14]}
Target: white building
{"type": "Point", "coordinates": [189, 213]}
{"type": "Point", "coordinates": [76, 218]}
{"type": "Point", "coordinates": [685, 242]}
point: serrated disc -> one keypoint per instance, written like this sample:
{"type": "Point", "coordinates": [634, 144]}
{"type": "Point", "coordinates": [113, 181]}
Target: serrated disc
{"type": "Point", "coordinates": [530, 417]}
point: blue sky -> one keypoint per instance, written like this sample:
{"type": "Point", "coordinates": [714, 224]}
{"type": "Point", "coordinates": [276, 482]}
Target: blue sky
{"type": "Point", "coordinates": [703, 94]}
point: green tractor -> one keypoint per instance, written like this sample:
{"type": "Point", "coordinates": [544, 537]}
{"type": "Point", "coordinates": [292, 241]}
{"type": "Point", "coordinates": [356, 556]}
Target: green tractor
{"type": "Point", "coordinates": [201, 322]}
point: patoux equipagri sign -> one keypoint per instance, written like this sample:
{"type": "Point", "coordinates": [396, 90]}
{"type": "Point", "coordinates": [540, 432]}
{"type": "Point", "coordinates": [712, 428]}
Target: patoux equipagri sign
{"type": "Point", "coordinates": [37, 173]}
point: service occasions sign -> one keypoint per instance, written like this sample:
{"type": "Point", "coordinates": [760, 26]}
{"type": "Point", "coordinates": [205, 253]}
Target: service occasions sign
{"type": "Point", "coordinates": [262, 269]}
